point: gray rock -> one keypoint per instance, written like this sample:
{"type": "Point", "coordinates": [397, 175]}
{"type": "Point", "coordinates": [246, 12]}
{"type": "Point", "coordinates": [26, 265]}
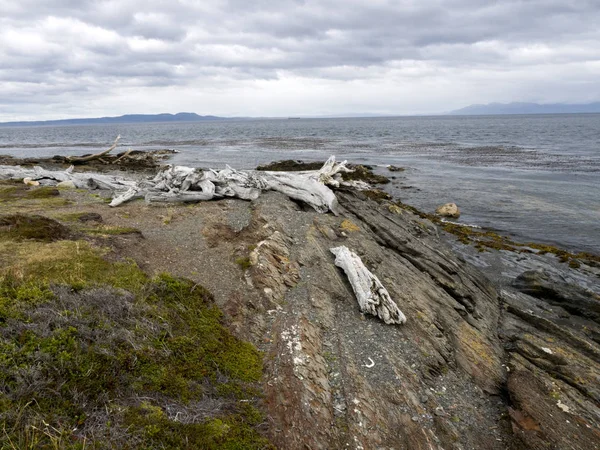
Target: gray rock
{"type": "Point", "coordinates": [448, 210]}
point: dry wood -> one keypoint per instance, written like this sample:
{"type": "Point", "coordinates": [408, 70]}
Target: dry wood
{"type": "Point", "coordinates": [186, 184]}
{"type": "Point", "coordinates": [79, 159]}
{"type": "Point", "coordinates": [372, 297]}
{"type": "Point", "coordinates": [80, 180]}
{"type": "Point", "coordinates": [123, 156]}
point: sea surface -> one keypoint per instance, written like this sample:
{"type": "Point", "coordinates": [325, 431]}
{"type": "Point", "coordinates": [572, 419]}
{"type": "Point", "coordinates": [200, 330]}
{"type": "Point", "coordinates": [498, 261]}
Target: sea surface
{"type": "Point", "coordinates": [536, 177]}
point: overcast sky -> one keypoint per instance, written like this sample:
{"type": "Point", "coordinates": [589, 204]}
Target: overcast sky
{"type": "Point", "coordinates": [89, 58]}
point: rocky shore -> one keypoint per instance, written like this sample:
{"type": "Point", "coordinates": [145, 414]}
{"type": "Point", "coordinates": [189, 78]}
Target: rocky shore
{"type": "Point", "coordinates": [500, 349]}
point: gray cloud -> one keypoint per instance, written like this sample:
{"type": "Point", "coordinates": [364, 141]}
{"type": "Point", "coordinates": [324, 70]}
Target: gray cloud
{"type": "Point", "coordinates": [213, 56]}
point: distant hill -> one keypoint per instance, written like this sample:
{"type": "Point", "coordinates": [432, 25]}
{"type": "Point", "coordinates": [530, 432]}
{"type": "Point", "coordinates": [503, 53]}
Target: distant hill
{"type": "Point", "coordinates": [128, 118]}
{"type": "Point", "coordinates": [526, 108]}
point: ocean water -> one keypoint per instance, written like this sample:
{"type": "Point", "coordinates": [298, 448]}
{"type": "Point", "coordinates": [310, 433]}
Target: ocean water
{"type": "Point", "coordinates": [535, 177]}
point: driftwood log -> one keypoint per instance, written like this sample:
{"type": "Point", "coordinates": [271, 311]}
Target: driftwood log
{"type": "Point", "coordinates": [186, 184]}
{"type": "Point", "coordinates": [372, 297]}
{"type": "Point", "coordinates": [82, 159]}
{"type": "Point", "coordinates": [42, 177]}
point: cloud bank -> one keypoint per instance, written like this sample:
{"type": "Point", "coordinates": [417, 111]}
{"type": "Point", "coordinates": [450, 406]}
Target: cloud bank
{"type": "Point", "coordinates": [85, 58]}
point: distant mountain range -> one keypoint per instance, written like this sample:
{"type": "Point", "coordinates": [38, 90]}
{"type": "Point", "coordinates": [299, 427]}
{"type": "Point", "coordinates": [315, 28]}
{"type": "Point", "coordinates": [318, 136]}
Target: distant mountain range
{"type": "Point", "coordinates": [128, 118]}
{"type": "Point", "coordinates": [526, 108]}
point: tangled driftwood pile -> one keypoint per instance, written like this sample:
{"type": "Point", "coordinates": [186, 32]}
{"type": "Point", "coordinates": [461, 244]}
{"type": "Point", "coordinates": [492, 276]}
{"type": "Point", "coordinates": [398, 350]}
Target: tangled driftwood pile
{"type": "Point", "coordinates": [186, 184]}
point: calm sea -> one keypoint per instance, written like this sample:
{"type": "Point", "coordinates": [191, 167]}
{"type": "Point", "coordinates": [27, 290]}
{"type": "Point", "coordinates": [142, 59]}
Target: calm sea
{"type": "Point", "coordinates": [536, 177]}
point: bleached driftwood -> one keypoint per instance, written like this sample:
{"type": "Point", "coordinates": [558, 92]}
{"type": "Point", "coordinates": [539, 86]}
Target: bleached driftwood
{"type": "Point", "coordinates": [123, 156]}
{"type": "Point", "coordinates": [372, 297]}
{"type": "Point", "coordinates": [53, 177]}
{"type": "Point", "coordinates": [80, 159]}
{"type": "Point", "coordinates": [186, 184]}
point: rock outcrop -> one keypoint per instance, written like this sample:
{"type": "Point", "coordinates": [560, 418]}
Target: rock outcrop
{"type": "Point", "coordinates": [472, 368]}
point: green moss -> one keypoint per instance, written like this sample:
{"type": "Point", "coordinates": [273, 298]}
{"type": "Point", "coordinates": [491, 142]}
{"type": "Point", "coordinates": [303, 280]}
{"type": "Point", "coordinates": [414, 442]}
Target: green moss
{"type": "Point", "coordinates": [41, 192]}
{"type": "Point", "coordinates": [20, 198]}
{"type": "Point", "coordinates": [77, 264]}
{"type": "Point", "coordinates": [8, 193]}
{"type": "Point", "coordinates": [156, 429]}
{"type": "Point", "coordinates": [92, 350]}
{"type": "Point", "coordinates": [38, 228]}
{"type": "Point", "coordinates": [14, 192]}
{"type": "Point", "coordinates": [243, 262]}
{"type": "Point", "coordinates": [17, 297]}
{"type": "Point", "coordinates": [79, 217]}
{"type": "Point", "coordinates": [169, 343]}
{"type": "Point", "coordinates": [377, 195]}
{"type": "Point", "coordinates": [11, 193]}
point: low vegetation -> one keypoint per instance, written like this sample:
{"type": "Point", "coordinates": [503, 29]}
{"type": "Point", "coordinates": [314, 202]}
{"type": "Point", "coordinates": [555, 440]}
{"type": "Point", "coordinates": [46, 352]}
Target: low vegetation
{"type": "Point", "coordinates": [16, 197]}
{"type": "Point", "coordinates": [96, 354]}
{"type": "Point", "coordinates": [19, 227]}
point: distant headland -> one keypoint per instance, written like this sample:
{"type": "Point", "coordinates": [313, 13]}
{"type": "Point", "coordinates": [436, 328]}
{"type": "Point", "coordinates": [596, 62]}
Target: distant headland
{"type": "Point", "coordinates": [127, 118]}
{"type": "Point", "coordinates": [527, 108]}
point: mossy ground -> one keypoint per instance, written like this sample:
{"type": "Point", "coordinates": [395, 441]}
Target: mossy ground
{"type": "Point", "coordinates": [96, 354]}
{"type": "Point", "coordinates": [20, 227]}
{"type": "Point", "coordinates": [16, 197]}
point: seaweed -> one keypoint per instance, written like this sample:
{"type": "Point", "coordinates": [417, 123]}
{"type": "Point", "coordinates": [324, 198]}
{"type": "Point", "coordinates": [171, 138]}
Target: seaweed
{"type": "Point", "coordinates": [485, 240]}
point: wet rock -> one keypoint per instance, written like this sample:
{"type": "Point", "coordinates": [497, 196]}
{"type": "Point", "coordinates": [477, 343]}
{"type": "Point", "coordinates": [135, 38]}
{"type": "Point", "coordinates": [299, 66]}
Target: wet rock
{"type": "Point", "coordinates": [392, 168]}
{"type": "Point", "coordinates": [448, 210]}
{"type": "Point", "coordinates": [90, 217]}
{"type": "Point", "coordinates": [364, 173]}
{"type": "Point", "coordinates": [291, 165]}
{"type": "Point", "coordinates": [556, 291]}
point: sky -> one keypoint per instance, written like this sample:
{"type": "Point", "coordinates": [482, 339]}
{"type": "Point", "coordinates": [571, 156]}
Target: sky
{"type": "Point", "coordinates": [91, 58]}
